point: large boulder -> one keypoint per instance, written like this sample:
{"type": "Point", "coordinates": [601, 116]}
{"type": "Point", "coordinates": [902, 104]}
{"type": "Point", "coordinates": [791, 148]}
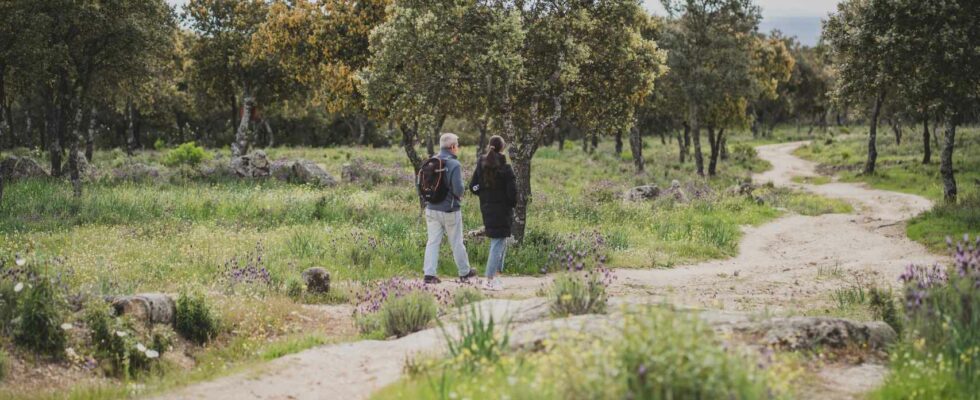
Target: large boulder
{"type": "Point", "coordinates": [14, 167]}
{"type": "Point", "coordinates": [317, 280]}
{"type": "Point", "coordinates": [254, 165]}
{"type": "Point", "coordinates": [150, 308]}
{"type": "Point", "coordinates": [306, 171]}
{"type": "Point", "coordinates": [641, 193]}
{"type": "Point", "coordinates": [813, 332]}
{"type": "Point", "coordinates": [282, 170]}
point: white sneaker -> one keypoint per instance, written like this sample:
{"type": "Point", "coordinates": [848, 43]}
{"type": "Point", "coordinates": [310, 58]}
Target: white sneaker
{"type": "Point", "coordinates": [495, 284]}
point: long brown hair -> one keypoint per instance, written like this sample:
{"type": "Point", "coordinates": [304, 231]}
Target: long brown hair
{"type": "Point", "coordinates": [492, 161]}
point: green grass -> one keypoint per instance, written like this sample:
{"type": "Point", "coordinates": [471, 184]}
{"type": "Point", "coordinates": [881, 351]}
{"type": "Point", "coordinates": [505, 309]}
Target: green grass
{"type": "Point", "coordinates": [656, 354]}
{"type": "Point", "coordinates": [812, 180]}
{"type": "Point", "coordinates": [899, 168]}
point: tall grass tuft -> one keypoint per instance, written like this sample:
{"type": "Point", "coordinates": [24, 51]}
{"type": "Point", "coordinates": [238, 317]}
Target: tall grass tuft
{"type": "Point", "coordinates": [408, 314]}
{"type": "Point", "coordinates": [195, 320]}
{"type": "Point", "coordinates": [39, 314]}
{"type": "Point", "coordinates": [575, 293]}
{"type": "Point", "coordinates": [480, 341]}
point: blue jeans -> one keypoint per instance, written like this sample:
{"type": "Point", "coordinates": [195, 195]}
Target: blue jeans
{"type": "Point", "coordinates": [450, 223]}
{"type": "Point", "coordinates": [495, 262]}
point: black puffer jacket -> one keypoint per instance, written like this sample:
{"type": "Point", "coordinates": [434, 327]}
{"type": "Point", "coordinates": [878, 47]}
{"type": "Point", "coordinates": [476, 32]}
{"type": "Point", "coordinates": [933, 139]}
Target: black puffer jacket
{"type": "Point", "coordinates": [497, 202]}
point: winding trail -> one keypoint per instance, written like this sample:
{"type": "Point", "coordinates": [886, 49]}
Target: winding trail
{"type": "Point", "coordinates": [788, 265]}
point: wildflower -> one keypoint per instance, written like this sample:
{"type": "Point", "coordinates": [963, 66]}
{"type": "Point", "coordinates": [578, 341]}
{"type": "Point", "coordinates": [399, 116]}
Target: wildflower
{"type": "Point", "coordinates": [66, 326]}
{"type": "Point", "coordinates": [18, 287]}
{"type": "Point", "coordinates": [121, 333]}
{"type": "Point", "coordinates": [19, 261]}
{"type": "Point", "coordinates": [141, 347]}
{"type": "Point", "coordinates": [151, 354]}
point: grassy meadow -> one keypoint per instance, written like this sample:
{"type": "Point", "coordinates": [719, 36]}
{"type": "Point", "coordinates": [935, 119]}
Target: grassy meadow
{"type": "Point", "coordinates": [900, 168]}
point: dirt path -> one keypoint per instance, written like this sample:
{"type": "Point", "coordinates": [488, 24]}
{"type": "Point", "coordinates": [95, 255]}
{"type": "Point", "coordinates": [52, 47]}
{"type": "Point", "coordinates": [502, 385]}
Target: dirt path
{"type": "Point", "coordinates": [790, 264]}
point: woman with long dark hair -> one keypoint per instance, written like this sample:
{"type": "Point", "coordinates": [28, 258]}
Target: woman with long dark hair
{"type": "Point", "coordinates": [494, 183]}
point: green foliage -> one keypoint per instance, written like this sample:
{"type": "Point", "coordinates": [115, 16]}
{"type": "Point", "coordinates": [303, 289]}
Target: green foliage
{"type": "Point", "coordinates": [195, 320]}
{"type": "Point", "coordinates": [803, 203]}
{"type": "Point", "coordinates": [883, 308]}
{"type": "Point", "coordinates": [466, 295]}
{"type": "Point", "coordinates": [370, 325]}
{"type": "Point", "coordinates": [577, 293]}
{"type": "Point", "coordinates": [408, 314]}
{"type": "Point", "coordinates": [478, 341]}
{"type": "Point", "coordinates": [40, 312]}
{"type": "Point", "coordinates": [655, 354]}
{"type": "Point", "coordinates": [119, 345]}
{"type": "Point", "coordinates": [189, 154]}
{"type": "Point", "coordinates": [3, 364]}
{"type": "Point", "coordinates": [160, 144]}
{"type": "Point", "coordinates": [295, 288]}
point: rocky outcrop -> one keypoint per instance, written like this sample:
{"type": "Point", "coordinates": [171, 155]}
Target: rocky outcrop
{"type": "Point", "coordinates": [150, 308]}
{"type": "Point", "coordinates": [812, 332]}
{"type": "Point", "coordinates": [281, 169]}
{"type": "Point", "coordinates": [13, 168]}
{"type": "Point", "coordinates": [254, 165]}
{"type": "Point", "coordinates": [641, 193]}
{"type": "Point", "coordinates": [306, 171]}
{"type": "Point", "coordinates": [317, 280]}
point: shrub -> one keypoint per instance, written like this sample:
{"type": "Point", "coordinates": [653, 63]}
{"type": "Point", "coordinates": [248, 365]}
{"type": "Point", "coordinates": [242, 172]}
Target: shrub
{"type": "Point", "coordinates": [118, 344]}
{"type": "Point", "coordinates": [160, 144]}
{"type": "Point", "coordinates": [408, 314]}
{"type": "Point", "coordinates": [883, 308]}
{"type": "Point", "coordinates": [186, 154]}
{"type": "Point", "coordinates": [194, 320]}
{"type": "Point", "coordinates": [466, 295]}
{"type": "Point", "coordinates": [575, 293]}
{"type": "Point", "coordinates": [294, 289]}
{"type": "Point", "coordinates": [478, 343]}
{"type": "Point", "coordinates": [3, 364]}
{"type": "Point", "coordinates": [39, 313]}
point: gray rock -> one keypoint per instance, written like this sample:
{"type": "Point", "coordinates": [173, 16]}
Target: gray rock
{"type": "Point", "coordinates": [13, 168]}
{"type": "Point", "coordinates": [306, 171]}
{"type": "Point", "coordinates": [641, 193]}
{"type": "Point", "coordinates": [254, 165]}
{"type": "Point", "coordinates": [317, 280]}
{"type": "Point", "coordinates": [742, 189]}
{"type": "Point", "coordinates": [810, 332]}
{"type": "Point", "coordinates": [477, 233]}
{"type": "Point", "coordinates": [151, 308]}
{"type": "Point", "coordinates": [281, 170]}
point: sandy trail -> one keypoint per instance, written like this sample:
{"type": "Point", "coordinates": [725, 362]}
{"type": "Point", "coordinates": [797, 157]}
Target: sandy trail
{"type": "Point", "coordinates": [790, 264]}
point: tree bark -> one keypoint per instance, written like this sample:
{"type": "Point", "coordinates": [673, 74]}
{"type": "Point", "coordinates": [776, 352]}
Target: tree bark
{"type": "Point", "coordinates": [636, 147]}
{"type": "Point", "coordinates": [483, 126]}
{"type": "Point", "coordinates": [239, 147]}
{"type": "Point", "coordinates": [76, 151]}
{"type": "Point", "coordinates": [926, 149]}
{"type": "Point", "coordinates": [696, 135]}
{"type": "Point", "coordinates": [595, 142]}
{"type": "Point", "coordinates": [408, 143]}
{"type": "Point", "coordinates": [946, 162]}
{"type": "Point", "coordinates": [898, 132]}
{"type": "Point", "coordinates": [680, 146]}
{"type": "Point", "coordinates": [687, 139]}
{"type": "Point", "coordinates": [869, 165]}
{"type": "Point", "coordinates": [132, 134]}
{"type": "Point", "coordinates": [53, 125]}
{"type": "Point", "coordinates": [272, 135]}
{"type": "Point", "coordinates": [723, 144]}
{"type": "Point", "coordinates": [90, 135]}
{"type": "Point", "coordinates": [714, 142]}
{"type": "Point", "coordinates": [619, 143]}
{"type": "Point", "coordinates": [561, 137]}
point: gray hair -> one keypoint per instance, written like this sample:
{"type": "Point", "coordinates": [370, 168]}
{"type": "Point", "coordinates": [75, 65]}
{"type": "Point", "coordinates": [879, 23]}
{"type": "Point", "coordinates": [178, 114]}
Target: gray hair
{"type": "Point", "coordinates": [447, 140]}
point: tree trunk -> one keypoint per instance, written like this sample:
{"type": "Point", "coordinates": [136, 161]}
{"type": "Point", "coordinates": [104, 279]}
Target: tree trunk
{"type": "Point", "coordinates": [713, 142]}
{"type": "Point", "coordinates": [233, 102]}
{"type": "Point", "coordinates": [76, 151]}
{"type": "Point", "coordinates": [696, 135]}
{"type": "Point", "coordinates": [53, 125]}
{"type": "Point", "coordinates": [898, 132]}
{"type": "Point", "coordinates": [585, 143]}
{"type": "Point", "coordinates": [680, 146]}
{"type": "Point", "coordinates": [869, 166]}
{"type": "Point", "coordinates": [687, 139]}
{"type": "Point", "coordinates": [132, 136]}
{"type": "Point", "coordinates": [926, 149]}
{"type": "Point", "coordinates": [483, 126]}
{"type": "Point", "coordinates": [723, 144]}
{"type": "Point", "coordinates": [90, 136]}
{"type": "Point", "coordinates": [946, 162]}
{"type": "Point", "coordinates": [595, 142]}
{"type": "Point", "coordinates": [408, 143]}
{"type": "Point", "coordinates": [522, 170]}
{"type": "Point", "coordinates": [272, 135]}
{"type": "Point", "coordinates": [561, 137]}
{"type": "Point", "coordinates": [239, 147]}
{"type": "Point", "coordinates": [619, 143]}
{"type": "Point", "coordinates": [636, 147]}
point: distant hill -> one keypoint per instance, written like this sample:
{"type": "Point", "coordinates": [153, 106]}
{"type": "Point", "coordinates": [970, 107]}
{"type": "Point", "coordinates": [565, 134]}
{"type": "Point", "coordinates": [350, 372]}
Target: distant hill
{"type": "Point", "coordinates": [806, 29]}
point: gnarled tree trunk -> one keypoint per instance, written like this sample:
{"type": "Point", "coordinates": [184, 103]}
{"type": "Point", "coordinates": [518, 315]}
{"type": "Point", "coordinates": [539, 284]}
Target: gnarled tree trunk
{"type": "Point", "coordinates": [696, 135]}
{"type": "Point", "coordinates": [926, 149]}
{"type": "Point", "coordinates": [619, 143]}
{"type": "Point", "coordinates": [54, 127]}
{"type": "Point", "coordinates": [946, 162]}
{"type": "Point", "coordinates": [483, 126]}
{"type": "Point", "coordinates": [869, 165]}
{"type": "Point", "coordinates": [239, 147]}
{"type": "Point", "coordinates": [636, 147]}
{"type": "Point", "coordinates": [408, 143]}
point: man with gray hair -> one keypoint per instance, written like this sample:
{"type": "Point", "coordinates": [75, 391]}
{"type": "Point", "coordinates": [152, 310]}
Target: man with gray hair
{"type": "Point", "coordinates": [444, 215]}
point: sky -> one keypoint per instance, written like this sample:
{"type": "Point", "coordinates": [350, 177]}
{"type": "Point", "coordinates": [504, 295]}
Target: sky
{"type": "Point", "coordinates": [800, 18]}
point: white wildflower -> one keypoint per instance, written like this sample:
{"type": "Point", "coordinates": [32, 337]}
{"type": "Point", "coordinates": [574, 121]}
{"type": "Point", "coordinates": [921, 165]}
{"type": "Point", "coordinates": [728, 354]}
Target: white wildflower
{"type": "Point", "coordinates": [141, 347]}
{"type": "Point", "coordinates": [20, 261]}
{"type": "Point", "coordinates": [66, 326]}
{"type": "Point", "coordinates": [152, 354]}
{"type": "Point", "coordinates": [121, 333]}
{"type": "Point", "coordinates": [18, 287]}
